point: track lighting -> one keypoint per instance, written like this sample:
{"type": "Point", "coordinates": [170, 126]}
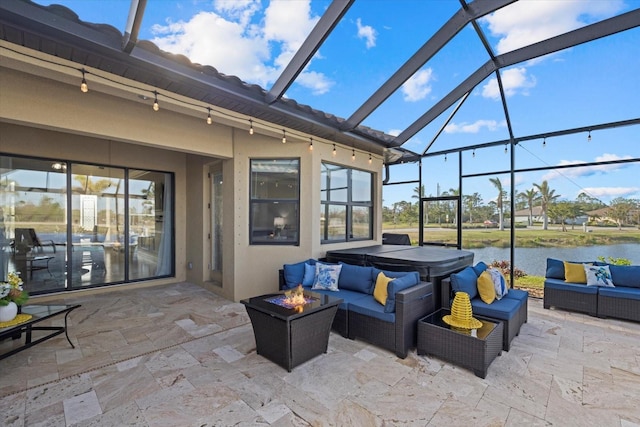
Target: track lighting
{"type": "Point", "coordinates": [209, 119]}
{"type": "Point", "coordinates": [473, 154]}
{"type": "Point", "coordinates": [250, 127]}
{"type": "Point", "coordinates": [544, 142]}
{"type": "Point", "coordinates": [589, 136]}
{"type": "Point", "coordinates": [156, 106]}
{"type": "Point", "coordinates": [284, 137]}
{"type": "Point", "coordinates": [445, 157]}
{"type": "Point", "coordinates": [353, 154]}
{"type": "Point", "coordinates": [505, 149]}
{"type": "Point", "coordinates": [334, 151]}
{"type": "Point", "coordinates": [83, 86]}
{"type": "Point", "coordinates": [370, 159]}
{"type": "Point", "coordinates": [310, 144]}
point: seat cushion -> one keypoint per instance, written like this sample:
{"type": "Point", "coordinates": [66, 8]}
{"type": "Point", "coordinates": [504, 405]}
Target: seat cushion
{"type": "Point", "coordinates": [621, 292]}
{"type": "Point", "coordinates": [504, 309]}
{"type": "Point", "coordinates": [573, 287]}
{"type": "Point", "coordinates": [465, 281]}
{"type": "Point", "coordinates": [347, 296]}
{"type": "Point", "coordinates": [370, 307]}
{"type": "Point", "coordinates": [518, 294]}
{"type": "Point", "coordinates": [355, 278]}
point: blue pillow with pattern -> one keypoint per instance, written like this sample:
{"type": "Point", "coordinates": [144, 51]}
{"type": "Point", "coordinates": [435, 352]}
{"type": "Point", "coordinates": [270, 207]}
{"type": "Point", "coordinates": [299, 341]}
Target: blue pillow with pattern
{"type": "Point", "coordinates": [327, 276]}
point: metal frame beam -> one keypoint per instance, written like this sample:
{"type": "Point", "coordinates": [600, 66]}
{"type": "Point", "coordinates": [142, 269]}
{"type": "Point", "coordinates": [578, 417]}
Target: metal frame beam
{"type": "Point", "coordinates": [582, 35]}
{"type": "Point", "coordinates": [309, 47]}
{"type": "Point", "coordinates": [132, 29]}
{"type": "Point", "coordinates": [452, 27]}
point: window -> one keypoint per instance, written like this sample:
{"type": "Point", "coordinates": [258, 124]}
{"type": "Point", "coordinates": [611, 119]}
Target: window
{"type": "Point", "coordinates": [66, 225]}
{"type": "Point", "coordinates": [346, 204]}
{"type": "Point", "coordinates": [274, 202]}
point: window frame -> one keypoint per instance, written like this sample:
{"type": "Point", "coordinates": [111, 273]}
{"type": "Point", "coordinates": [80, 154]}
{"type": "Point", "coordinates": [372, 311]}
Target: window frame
{"type": "Point", "coordinates": [349, 204]}
{"type": "Point", "coordinates": [254, 201]}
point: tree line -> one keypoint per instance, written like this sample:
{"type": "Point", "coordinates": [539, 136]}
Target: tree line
{"type": "Point", "coordinates": [495, 212]}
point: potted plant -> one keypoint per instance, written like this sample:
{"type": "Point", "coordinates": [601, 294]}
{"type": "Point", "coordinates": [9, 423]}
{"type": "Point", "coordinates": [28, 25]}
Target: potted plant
{"type": "Point", "coordinates": [11, 296]}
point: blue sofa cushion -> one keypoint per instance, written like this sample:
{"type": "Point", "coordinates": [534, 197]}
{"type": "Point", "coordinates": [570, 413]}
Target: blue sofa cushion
{"type": "Point", "coordinates": [555, 269]}
{"type": "Point", "coordinates": [518, 294]}
{"type": "Point", "coordinates": [465, 281]}
{"type": "Point", "coordinates": [625, 275]}
{"type": "Point", "coordinates": [347, 296]}
{"type": "Point", "coordinates": [396, 285]}
{"type": "Point", "coordinates": [355, 278]}
{"type": "Point", "coordinates": [309, 275]}
{"type": "Point", "coordinates": [626, 293]}
{"type": "Point", "coordinates": [370, 307]}
{"type": "Point", "coordinates": [479, 268]}
{"type": "Point", "coordinates": [294, 273]}
{"type": "Point", "coordinates": [504, 309]}
{"type": "Point", "coordinates": [573, 287]}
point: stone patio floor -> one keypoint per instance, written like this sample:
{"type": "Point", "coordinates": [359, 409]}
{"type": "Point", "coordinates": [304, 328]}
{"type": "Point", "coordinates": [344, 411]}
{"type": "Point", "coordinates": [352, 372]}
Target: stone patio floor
{"type": "Point", "coordinates": [178, 355]}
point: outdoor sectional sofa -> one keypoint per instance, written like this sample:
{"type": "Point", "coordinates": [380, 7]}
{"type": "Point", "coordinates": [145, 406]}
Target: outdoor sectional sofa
{"type": "Point", "coordinates": [391, 326]}
{"type": "Point", "coordinates": [620, 301]}
{"type": "Point", "coordinates": [512, 309]}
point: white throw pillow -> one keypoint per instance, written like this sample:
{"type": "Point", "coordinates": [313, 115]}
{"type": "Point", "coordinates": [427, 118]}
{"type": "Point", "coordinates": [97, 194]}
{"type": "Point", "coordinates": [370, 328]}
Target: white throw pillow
{"type": "Point", "coordinates": [327, 276]}
{"type": "Point", "coordinates": [598, 275]}
{"type": "Point", "coordinates": [499, 283]}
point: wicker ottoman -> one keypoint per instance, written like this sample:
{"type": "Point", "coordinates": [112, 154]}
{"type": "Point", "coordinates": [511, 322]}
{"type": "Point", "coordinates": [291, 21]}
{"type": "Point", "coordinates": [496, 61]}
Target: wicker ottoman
{"type": "Point", "coordinates": [473, 349]}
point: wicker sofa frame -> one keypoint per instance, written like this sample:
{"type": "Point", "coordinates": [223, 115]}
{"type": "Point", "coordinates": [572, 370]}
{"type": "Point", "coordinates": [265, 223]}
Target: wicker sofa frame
{"type": "Point", "coordinates": [572, 301]}
{"type": "Point", "coordinates": [412, 304]}
{"type": "Point", "coordinates": [511, 327]}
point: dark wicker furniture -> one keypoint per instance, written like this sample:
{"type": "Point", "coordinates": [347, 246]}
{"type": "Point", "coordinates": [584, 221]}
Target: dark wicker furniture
{"type": "Point", "coordinates": [511, 326]}
{"type": "Point", "coordinates": [460, 347]}
{"type": "Point", "coordinates": [289, 337]}
{"type": "Point", "coordinates": [572, 300]}
{"type": "Point", "coordinates": [621, 308]}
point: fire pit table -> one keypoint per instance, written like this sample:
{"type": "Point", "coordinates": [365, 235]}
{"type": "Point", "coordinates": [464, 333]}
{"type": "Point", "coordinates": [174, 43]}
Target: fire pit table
{"type": "Point", "coordinates": [290, 335]}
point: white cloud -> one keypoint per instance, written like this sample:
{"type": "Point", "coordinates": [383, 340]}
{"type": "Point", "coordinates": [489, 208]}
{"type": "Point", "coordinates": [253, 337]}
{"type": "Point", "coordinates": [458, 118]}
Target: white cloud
{"type": "Point", "coordinates": [583, 171]}
{"type": "Point", "coordinates": [474, 127]}
{"type": "Point", "coordinates": [530, 21]}
{"type": "Point", "coordinates": [610, 192]}
{"type": "Point", "coordinates": [366, 32]}
{"type": "Point", "coordinates": [418, 86]}
{"type": "Point", "coordinates": [394, 132]}
{"type": "Point", "coordinates": [236, 41]}
{"type": "Point", "coordinates": [514, 80]}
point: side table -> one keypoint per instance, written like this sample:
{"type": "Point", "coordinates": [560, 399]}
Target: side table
{"type": "Point", "coordinates": [474, 349]}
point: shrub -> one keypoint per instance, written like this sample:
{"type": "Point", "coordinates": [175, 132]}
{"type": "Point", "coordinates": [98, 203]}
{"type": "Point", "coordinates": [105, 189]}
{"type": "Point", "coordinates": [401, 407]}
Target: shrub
{"type": "Point", "coordinates": [505, 267]}
{"type": "Point", "coordinates": [614, 261]}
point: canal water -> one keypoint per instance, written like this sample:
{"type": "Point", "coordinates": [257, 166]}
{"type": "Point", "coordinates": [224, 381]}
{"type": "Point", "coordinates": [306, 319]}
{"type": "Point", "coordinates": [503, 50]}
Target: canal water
{"type": "Point", "coordinates": [533, 261]}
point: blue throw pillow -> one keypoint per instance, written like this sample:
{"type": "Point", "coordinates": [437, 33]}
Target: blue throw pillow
{"type": "Point", "coordinates": [397, 285]}
{"type": "Point", "coordinates": [465, 281]}
{"type": "Point", "coordinates": [294, 273]}
{"type": "Point", "coordinates": [480, 267]}
{"type": "Point", "coordinates": [309, 274]}
{"type": "Point", "coordinates": [355, 278]}
{"type": "Point", "coordinates": [555, 269]}
{"type": "Point", "coordinates": [625, 275]}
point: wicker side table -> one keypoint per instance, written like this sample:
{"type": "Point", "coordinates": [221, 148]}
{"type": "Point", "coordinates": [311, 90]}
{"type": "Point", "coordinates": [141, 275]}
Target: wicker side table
{"type": "Point", "coordinates": [474, 349]}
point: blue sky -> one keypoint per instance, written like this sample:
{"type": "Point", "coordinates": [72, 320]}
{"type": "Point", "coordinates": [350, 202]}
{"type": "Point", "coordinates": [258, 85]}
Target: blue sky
{"type": "Point", "coordinates": [585, 85]}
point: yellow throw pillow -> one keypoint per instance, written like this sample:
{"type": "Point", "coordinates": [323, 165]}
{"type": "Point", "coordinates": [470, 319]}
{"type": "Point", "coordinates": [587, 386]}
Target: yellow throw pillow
{"type": "Point", "coordinates": [485, 287]}
{"type": "Point", "coordinates": [574, 273]}
{"type": "Point", "coordinates": [380, 291]}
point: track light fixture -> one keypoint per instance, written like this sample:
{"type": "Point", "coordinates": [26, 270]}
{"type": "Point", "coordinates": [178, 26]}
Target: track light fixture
{"type": "Point", "coordinates": [473, 154]}
{"type": "Point", "coordinates": [505, 149]}
{"type": "Point", "coordinates": [589, 136]}
{"type": "Point", "coordinates": [250, 127]}
{"type": "Point", "coordinates": [334, 152]}
{"type": "Point", "coordinates": [284, 137]}
{"type": "Point", "coordinates": [445, 157]}
{"type": "Point", "coordinates": [544, 142]}
{"type": "Point", "coordinates": [310, 144]}
{"type": "Point", "coordinates": [209, 119]}
{"type": "Point", "coordinates": [83, 86]}
{"type": "Point", "coordinates": [353, 154]}
{"type": "Point", "coordinates": [156, 106]}
{"type": "Point", "coordinates": [370, 159]}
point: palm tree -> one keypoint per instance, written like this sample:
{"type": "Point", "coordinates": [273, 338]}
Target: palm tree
{"type": "Point", "coordinates": [547, 196]}
{"type": "Point", "coordinates": [530, 196]}
{"type": "Point", "coordinates": [496, 182]}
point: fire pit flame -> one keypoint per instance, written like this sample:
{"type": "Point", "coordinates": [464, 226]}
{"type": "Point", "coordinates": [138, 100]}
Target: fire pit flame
{"type": "Point", "coordinates": [295, 297]}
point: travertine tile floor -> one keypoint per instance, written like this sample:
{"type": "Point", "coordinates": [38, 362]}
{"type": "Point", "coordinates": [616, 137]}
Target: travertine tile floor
{"type": "Point", "coordinates": [179, 355]}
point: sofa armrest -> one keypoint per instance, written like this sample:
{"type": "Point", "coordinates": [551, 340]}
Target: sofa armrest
{"type": "Point", "coordinates": [445, 294]}
{"type": "Point", "coordinates": [412, 304]}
